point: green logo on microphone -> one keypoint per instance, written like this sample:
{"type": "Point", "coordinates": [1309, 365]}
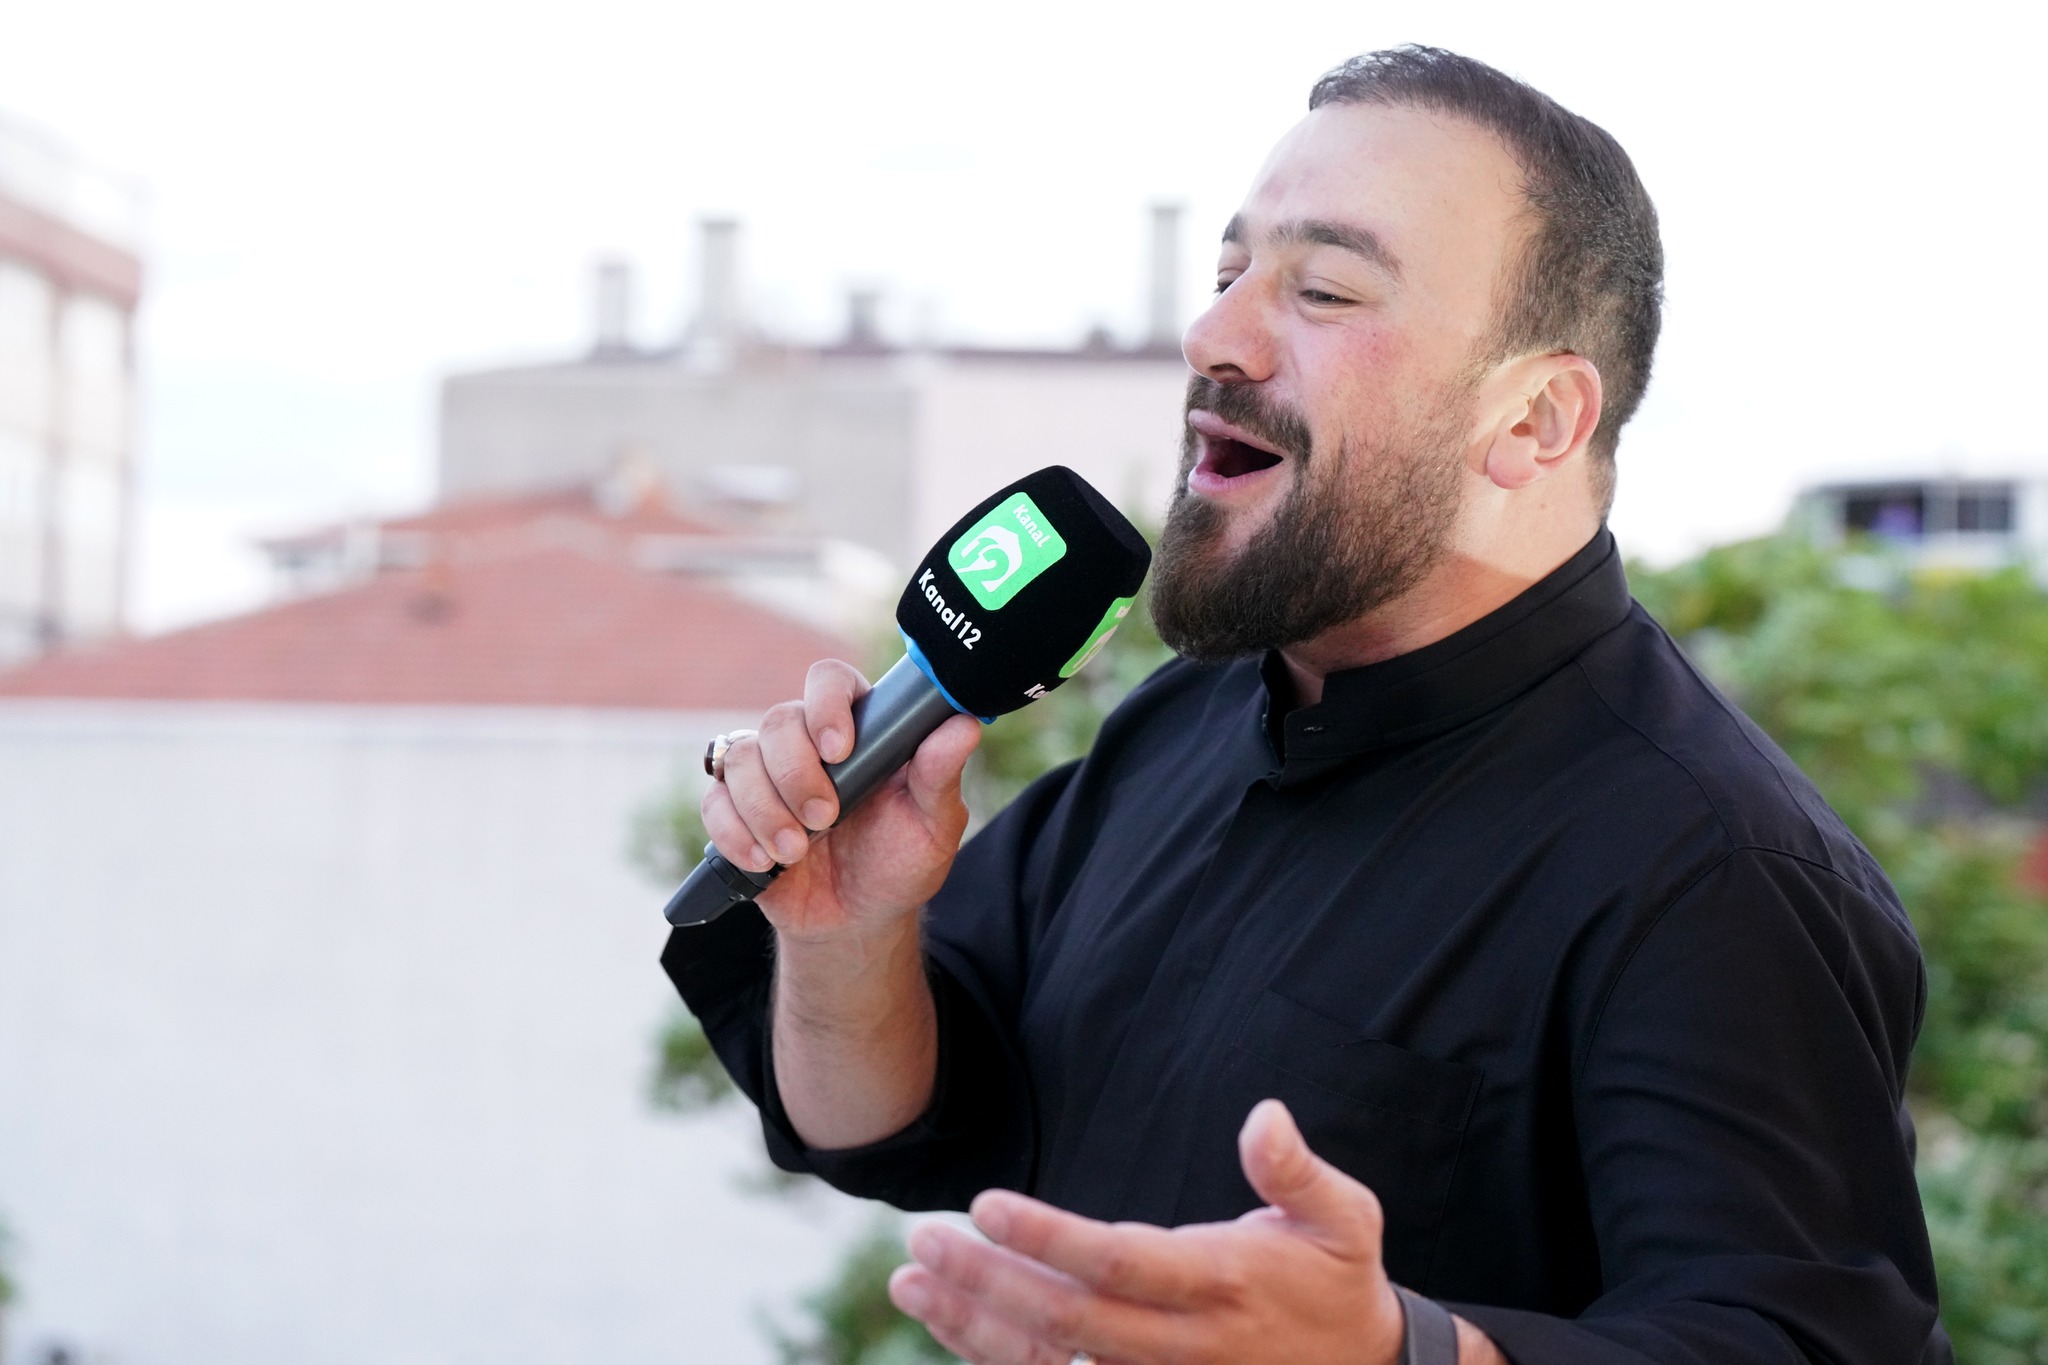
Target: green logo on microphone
{"type": "Point", "coordinates": [1091, 646]}
{"type": "Point", "coordinates": [1000, 554]}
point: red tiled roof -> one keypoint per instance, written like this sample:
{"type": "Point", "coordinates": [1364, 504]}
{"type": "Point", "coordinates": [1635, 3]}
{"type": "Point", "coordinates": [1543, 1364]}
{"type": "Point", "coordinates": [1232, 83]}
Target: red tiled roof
{"type": "Point", "coordinates": [495, 525]}
{"type": "Point", "coordinates": [554, 627]}
{"type": "Point", "coordinates": [492, 512]}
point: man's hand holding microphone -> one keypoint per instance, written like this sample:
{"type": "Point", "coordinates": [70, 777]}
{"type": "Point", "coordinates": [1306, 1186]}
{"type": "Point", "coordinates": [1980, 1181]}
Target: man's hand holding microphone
{"type": "Point", "coordinates": [841, 816]}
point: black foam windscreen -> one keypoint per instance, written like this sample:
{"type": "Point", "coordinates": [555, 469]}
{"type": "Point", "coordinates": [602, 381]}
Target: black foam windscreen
{"type": "Point", "coordinates": [1015, 597]}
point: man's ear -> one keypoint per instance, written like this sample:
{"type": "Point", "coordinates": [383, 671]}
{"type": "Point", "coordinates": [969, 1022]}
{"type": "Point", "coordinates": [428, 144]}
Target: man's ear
{"type": "Point", "coordinates": [1552, 409]}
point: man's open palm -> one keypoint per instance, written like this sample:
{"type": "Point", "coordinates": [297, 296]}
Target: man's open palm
{"type": "Point", "coordinates": [1297, 1281]}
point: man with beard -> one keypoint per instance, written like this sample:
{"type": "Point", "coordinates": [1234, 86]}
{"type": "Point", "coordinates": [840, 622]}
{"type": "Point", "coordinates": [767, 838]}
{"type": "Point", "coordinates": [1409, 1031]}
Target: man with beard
{"type": "Point", "coordinates": [1430, 935]}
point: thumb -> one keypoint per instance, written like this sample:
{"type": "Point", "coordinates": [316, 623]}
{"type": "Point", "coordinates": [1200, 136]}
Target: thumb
{"type": "Point", "coordinates": [1286, 1174]}
{"type": "Point", "coordinates": [934, 772]}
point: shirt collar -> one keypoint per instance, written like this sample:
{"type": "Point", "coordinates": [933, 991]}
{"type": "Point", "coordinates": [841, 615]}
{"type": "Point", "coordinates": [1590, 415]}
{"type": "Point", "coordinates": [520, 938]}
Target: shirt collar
{"type": "Point", "coordinates": [1462, 676]}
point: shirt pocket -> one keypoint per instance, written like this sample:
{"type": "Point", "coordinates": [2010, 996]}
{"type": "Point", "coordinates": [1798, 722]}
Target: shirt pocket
{"type": "Point", "coordinates": [1391, 1118]}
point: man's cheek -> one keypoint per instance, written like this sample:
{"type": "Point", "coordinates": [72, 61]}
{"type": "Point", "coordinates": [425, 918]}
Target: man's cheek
{"type": "Point", "coordinates": [1371, 370]}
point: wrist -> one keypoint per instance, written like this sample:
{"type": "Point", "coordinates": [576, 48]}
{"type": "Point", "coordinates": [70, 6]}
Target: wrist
{"type": "Point", "coordinates": [852, 938]}
{"type": "Point", "coordinates": [850, 981]}
{"type": "Point", "coordinates": [1429, 1334]}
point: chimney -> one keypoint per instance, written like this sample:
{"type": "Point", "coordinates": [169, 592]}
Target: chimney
{"type": "Point", "coordinates": [863, 320]}
{"type": "Point", "coordinates": [614, 306]}
{"type": "Point", "coordinates": [717, 323]}
{"type": "Point", "coordinates": [1162, 329]}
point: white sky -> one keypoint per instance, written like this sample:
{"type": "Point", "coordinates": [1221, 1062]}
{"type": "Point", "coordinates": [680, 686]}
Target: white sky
{"type": "Point", "coordinates": [347, 201]}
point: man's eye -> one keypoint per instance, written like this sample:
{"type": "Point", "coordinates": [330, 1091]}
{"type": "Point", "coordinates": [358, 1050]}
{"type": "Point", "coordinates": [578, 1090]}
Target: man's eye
{"type": "Point", "coordinates": [1224, 282]}
{"type": "Point", "coordinates": [1321, 296]}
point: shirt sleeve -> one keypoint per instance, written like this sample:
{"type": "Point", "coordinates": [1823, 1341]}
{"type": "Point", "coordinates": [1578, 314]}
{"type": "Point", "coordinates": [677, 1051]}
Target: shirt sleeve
{"type": "Point", "coordinates": [1740, 1114]}
{"type": "Point", "coordinates": [979, 1130]}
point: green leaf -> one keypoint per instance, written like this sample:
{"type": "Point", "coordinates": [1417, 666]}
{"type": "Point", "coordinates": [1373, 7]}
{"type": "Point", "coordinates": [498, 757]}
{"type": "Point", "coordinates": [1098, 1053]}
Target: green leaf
{"type": "Point", "coordinates": [851, 1320]}
{"type": "Point", "coordinates": [688, 1076]}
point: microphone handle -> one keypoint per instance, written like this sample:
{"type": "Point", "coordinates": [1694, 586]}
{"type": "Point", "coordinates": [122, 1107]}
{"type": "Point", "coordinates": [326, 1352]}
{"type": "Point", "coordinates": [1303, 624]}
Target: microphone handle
{"type": "Point", "coordinates": [889, 721]}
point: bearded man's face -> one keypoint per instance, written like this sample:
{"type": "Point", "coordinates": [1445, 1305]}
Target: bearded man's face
{"type": "Point", "coordinates": [1362, 523]}
{"type": "Point", "coordinates": [1333, 420]}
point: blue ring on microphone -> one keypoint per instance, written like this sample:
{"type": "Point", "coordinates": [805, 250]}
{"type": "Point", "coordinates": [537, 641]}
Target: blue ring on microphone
{"type": "Point", "coordinates": [924, 666]}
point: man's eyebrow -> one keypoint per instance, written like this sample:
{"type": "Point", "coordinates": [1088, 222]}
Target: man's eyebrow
{"type": "Point", "coordinates": [1360, 242]}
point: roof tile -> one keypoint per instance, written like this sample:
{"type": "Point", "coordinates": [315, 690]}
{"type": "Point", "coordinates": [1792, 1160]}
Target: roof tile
{"type": "Point", "coordinates": [554, 627]}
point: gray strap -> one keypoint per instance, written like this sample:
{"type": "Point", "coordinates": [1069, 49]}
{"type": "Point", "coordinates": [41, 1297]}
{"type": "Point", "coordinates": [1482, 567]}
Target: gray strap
{"type": "Point", "coordinates": [1431, 1338]}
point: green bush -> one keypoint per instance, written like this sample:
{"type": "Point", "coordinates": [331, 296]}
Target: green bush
{"type": "Point", "coordinates": [853, 1322]}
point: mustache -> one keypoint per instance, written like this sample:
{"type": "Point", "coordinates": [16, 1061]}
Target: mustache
{"type": "Point", "coordinates": [1245, 406]}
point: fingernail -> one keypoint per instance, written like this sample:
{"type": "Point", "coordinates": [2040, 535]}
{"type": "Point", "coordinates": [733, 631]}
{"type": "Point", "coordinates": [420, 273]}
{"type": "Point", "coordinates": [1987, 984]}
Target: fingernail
{"type": "Point", "coordinates": [912, 1296]}
{"type": "Point", "coordinates": [831, 745]}
{"type": "Point", "coordinates": [817, 813]}
{"type": "Point", "coordinates": [790, 846]}
{"type": "Point", "coordinates": [992, 1218]}
{"type": "Point", "coordinates": [926, 1246]}
{"type": "Point", "coordinates": [758, 859]}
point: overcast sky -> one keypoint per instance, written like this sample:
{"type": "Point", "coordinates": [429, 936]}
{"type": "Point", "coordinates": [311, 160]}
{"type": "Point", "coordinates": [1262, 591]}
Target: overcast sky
{"type": "Point", "coordinates": [347, 201]}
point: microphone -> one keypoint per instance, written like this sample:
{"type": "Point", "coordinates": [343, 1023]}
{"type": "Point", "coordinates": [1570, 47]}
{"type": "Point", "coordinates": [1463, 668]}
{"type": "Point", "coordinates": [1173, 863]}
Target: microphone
{"type": "Point", "coordinates": [1020, 593]}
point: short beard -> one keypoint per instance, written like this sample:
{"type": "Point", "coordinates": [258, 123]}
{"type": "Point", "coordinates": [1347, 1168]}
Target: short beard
{"type": "Point", "coordinates": [1331, 552]}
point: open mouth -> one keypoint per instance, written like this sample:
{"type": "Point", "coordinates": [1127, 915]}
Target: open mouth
{"type": "Point", "coordinates": [1227, 453]}
{"type": "Point", "coordinates": [1230, 459]}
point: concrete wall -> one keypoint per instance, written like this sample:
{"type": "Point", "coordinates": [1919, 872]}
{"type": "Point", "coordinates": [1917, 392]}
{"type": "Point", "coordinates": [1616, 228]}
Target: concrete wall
{"type": "Point", "coordinates": [843, 426]}
{"type": "Point", "coordinates": [65, 394]}
{"type": "Point", "coordinates": [984, 423]}
{"type": "Point", "coordinates": [888, 450]}
{"type": "Point", "coordinates": [323, 1040]}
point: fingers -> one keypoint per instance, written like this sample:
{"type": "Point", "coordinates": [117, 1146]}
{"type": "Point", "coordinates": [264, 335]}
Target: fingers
{"type": "Point", "coordinates": [796, 771]}
{"type": "Point", "coordinates": [829, 692]}
{"type": "Point", "coordinates": [956, 1323]}
{"type": "Point", "coordinates": [751, 784]}
{"type": "Point", "coordinates": [988, 1295]}
{"type": "Point", "coordinates": [775, 790]}
{"type": "Point", "coordinates": [1286, 1174]}
{"type": "Point", "coordinates": [1129, 1260]}
{"type": "Point", "coordinates": [730, 833]}
{"type": "Point", "coordinates": [776, 794]}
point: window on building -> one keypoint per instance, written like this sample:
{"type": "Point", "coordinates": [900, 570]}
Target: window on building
{"type": "Point", "coordinates": [1899, 511]}
{"type": "Point", "coordinates": [1985, 507]}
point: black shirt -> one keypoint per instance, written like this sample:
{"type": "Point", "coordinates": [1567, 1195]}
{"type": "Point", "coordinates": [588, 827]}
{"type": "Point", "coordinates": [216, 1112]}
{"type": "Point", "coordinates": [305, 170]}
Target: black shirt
{"type": "Point", "coordinates": [1536, 935]}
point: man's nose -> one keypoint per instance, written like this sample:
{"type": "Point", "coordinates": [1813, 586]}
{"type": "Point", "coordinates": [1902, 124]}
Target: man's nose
{"type": "Point", "coordinates": [1232, 341]}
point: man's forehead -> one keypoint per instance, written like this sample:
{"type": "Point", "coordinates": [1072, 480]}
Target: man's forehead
{"type": "Point", "coordinates": [1400, 176]}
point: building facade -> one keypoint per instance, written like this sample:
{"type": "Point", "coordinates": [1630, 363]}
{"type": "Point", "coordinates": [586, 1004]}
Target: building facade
{"type": "Point", "coordinates": [328, 993]}
{"type": "Point", "coordinates": [862, 440]}
{"type": "Point", "coordinates": [1969, 519]}
{"type": "Point", "coordinates": [70, 279]}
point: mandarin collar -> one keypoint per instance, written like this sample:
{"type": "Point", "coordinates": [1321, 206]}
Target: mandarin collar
{"type": "Point", "coordinates": [1457, 679]}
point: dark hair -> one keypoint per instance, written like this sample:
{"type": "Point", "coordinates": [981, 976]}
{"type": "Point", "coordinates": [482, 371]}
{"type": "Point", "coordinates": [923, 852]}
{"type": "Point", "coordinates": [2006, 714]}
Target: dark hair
{"type": "Point", "coordinates": [1591, 277]}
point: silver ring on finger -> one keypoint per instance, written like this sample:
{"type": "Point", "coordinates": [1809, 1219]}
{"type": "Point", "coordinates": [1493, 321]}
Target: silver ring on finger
{"type": "Point", "coordinates": [718, 748]}
{"type": "Point", "coordinates": [1082, 1358]}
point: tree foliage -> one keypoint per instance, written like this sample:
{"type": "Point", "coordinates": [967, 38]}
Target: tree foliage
{"type": "Point", "coordinates": [851, 1319]}
{"type": "Point", "coordinates": [1918, 703]}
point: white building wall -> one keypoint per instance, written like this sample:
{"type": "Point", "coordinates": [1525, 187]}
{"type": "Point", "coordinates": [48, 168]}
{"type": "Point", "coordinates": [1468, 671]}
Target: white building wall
{"type": "Point", "coordinates": [885, 451]}
{"type": "Point", "coordinates": [91, 505]}
{"type": "Point", "coordinates": [324, 1035]}
{"type": "Point", "coordinates": [984, 423]}
{"type": "Point", "coordinates": [837, 429]}
{"type": "Point", "coordinates": [27, 302]}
